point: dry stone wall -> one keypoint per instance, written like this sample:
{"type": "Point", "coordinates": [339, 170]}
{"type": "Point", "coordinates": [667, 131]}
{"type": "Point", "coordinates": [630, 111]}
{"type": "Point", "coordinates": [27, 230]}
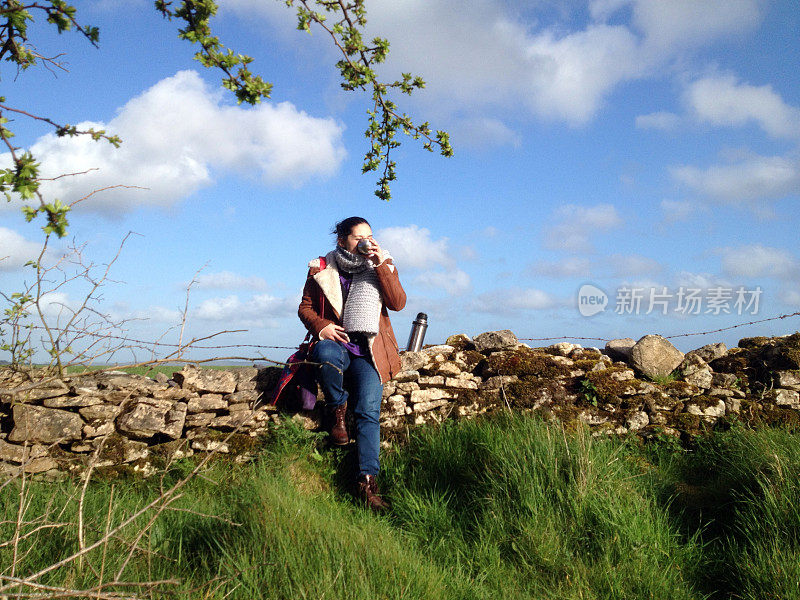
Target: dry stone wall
{"type": "Point", "coordinates": [117, 421]}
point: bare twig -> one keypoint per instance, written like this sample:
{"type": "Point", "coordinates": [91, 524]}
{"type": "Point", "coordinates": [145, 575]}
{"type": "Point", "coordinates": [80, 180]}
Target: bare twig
{"type": "Point", "coordinates": [86, 172]}
{"type": "Point", "coordinates": [505, 398]}
{"type": "Point", "coordinates": [186, 310]}
{"type": "Point", "coordinates": [61, 129]}
{"type": "Point", "coordinates": [207, 516]}
{"type": "Point", "coordinates": [33, 531]}
{"type": "Point", "coordinates": [20, 512]}
{"type": "Point", "coordinates": [108, 187]}
{"type": "Point", "coordinates": [86, 477]}
{"type": "Point", "coordinates": [95, 592]}
{"type": "Point", "coordinates": [168, 499]}
{"type": "Point", "coordinates": [198, 347]}
{"type": "Point", "coordinates": [106, 536]}
{"type": "Point", "coordinates": [161, 501]}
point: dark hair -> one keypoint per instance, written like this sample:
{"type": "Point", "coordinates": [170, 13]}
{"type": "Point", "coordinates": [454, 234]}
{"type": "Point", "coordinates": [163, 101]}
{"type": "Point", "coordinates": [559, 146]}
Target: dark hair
{"type": "Point", "coordinates": [345, 227]}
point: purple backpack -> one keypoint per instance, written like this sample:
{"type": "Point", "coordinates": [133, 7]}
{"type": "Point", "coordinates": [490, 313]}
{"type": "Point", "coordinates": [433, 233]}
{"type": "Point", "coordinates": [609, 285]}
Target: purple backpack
{"type": "Point", "coordinates": [297, 386]}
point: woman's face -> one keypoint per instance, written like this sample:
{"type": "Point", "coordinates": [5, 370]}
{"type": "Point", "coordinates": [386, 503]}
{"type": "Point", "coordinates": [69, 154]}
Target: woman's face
{"type": "Point", "coordinates": [358, 232]}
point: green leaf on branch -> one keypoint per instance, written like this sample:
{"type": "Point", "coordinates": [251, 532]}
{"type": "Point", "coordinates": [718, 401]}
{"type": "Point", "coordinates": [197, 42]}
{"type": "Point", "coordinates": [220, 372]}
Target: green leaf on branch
{"type": "Point", "coordinates": [56, 218]}
{"type": "Point", "coordinates": [346, 28]}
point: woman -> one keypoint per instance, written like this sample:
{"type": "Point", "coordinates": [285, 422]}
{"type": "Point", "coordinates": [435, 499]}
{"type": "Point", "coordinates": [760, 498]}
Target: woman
{"type": "Point", "coordinates": [344, 305]}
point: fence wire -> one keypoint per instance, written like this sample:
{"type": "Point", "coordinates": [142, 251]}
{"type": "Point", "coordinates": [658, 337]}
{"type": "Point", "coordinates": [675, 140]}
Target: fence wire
{"type": "Point", "coordinates": [676, 335]}
{"type": "Point", "coordinates": [189, 346]}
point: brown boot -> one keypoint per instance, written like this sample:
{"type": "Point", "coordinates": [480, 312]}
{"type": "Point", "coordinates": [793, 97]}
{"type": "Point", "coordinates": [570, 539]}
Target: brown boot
{"type": "Point", "coordinates": [368, 491]}
{"type": "Point", "coordinates": [338, 426]}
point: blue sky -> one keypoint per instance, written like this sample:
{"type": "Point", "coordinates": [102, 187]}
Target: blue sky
{"type": "Point", "coordinates": [648, 149]}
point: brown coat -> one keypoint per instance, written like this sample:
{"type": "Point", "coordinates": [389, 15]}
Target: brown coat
{"type": "Point", "coordinates": [383, 348]}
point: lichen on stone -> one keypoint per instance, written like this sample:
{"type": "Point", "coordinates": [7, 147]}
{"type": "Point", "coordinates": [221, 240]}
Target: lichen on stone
{"type": "Point", "coordinates": [527, 362]}
{"type": "Point", "coordinates": [533, 392]}
{"type": "Point", "coordinates": [587, 364]}
{"type": "Point", "coordinates": [606, 387]}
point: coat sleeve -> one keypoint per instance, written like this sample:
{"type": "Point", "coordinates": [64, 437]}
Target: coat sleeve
{"type": "Point", "coordinates": [309, 309]}
{"type": "Point", "coordinates": [394, 296]}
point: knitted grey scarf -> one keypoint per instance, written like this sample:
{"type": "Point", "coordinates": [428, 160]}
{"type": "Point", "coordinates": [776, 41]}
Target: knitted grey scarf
{"type": "Point", "coordinates": [362, 308]}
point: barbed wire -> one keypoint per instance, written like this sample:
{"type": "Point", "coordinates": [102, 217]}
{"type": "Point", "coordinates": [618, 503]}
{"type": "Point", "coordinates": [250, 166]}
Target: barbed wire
{"type": "Point", "coordinates": [564, 337]}
{"type": "Point", "coordinates": [271, 347]}
{"type": "Point", "coordinates": [676, 335]}
{"type": "Point", "coordinates": [794, 314]}
{"type": "Point", "coordinates": [186, 345]}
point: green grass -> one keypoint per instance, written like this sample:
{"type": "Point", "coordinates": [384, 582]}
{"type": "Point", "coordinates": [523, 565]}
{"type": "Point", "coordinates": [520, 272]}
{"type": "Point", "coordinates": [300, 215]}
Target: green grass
{"type": "Point", "coordinates": [739, 492]}
{"type": "Point", "coordinates": [149, 371]}
{"type": "Point", "coordinates": [503, 508]}
{"type": "Point", "coordinates": [665, 379]}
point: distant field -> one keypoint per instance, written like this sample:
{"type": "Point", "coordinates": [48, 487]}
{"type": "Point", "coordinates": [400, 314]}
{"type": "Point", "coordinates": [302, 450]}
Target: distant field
{"type": "Point", "coordinates": [151, 370]}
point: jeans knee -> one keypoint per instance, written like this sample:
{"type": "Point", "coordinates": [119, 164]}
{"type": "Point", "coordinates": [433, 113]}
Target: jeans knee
{"type": "Point", "coordinates": [328, 351]}
{"type": "Point", "coordinates": [369, 408]}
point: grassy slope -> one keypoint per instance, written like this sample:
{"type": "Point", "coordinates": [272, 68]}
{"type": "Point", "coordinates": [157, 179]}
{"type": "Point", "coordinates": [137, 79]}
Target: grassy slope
{"type": "Point", "coordinates": [150, 370]}
{"type": "Point", "coordinates": [504, 508]}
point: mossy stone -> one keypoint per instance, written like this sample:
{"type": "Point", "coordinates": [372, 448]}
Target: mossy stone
{"type": "Point", "coordinates": [526, 362]}
{"type": "Point", "coordinates": [753, 342]}
{"type": "Point", "coordinates": [606, 387]}
{"type": "Point", "coordinates": [531, 392]}
{"type": "Point", "coordinates": [460, 341]}
{"type": "Point", "coordinates": [472, 358]}
{"type": "Point", "coordinates": [586, 364]}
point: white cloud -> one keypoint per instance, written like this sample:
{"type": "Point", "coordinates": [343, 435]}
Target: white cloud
{"type": "Point", "coordinates": [226, 280]}
{"type": "Point", "coordinates": [511, 301]}
{"type": "Point", "coordinates": [452, 282]}
{"type": "Point", "coordinates": [701, 281]}
{"type": "Point", "coordinates": [677, 24]}
{"type": "Point", "coordinates": [632, 265]}
{"type": "Point", "coordinates": [412, 247]}
{"type": "Point", "coordinates": [159, 314]}
{"type": "Point", "coordinates": [116, 5]}
{"type": "Point", "coordinates": [575, 224]}
{"type": "Point", "coordinates": [615, 265]}
{"type": "Point", "coordinates": [574, 74]}
{"type": "Point", "coordinates": [675, 210]}
{"type": "Point", "coordinates": [530, 299]}
{"type": "Point", "coordinates": [261, 310]}
{"type": "Point", "coordinates": [480, 56]}
{"type": "Point", "coordinates": [759, 261]}
{"type": "Point", "coordinates": [483, 133]}
{"type": "Point", "coordinates": [176, 135]}
{"type": "Point", "coordinates": [56, 307]}
{"type": "Point", "coordinates": [724, 101]}
{"type": "Point", "coordinates": [790, 297]}
{"type": "Point", "coordinates": [572, 266]}
{"type": "Point", "coordinates": [484, 56]}
{"type": "Point", "coordinates": [664, 121]}
{"type": "Point", "coordinates": [15, 250]}
{"type": "Point", "coordinates": [468, 253]}
{"type": "Point", "coordinates": [647, 284]}
{"type": "Point", "coordinates": [274, 11]}
{"type": "Point", "coordinates": [757, 178]}
{"type": "Point", "coordinates": [488, 56]}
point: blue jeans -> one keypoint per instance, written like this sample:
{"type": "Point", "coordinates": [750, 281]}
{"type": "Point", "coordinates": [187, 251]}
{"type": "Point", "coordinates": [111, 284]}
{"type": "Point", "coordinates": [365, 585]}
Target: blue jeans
{"type": "Point", "coordinates": [359, 380]}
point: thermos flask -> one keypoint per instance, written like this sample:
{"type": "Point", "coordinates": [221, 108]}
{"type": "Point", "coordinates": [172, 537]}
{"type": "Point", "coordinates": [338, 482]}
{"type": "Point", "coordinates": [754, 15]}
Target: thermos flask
{"type": "Point", "coordinates": [418, 327]}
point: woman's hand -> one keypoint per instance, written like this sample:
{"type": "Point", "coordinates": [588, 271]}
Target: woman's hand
{"type": "Point", "coordinates": [375, 253]}
{"type": "Point", "coordinates": [334, 332]}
